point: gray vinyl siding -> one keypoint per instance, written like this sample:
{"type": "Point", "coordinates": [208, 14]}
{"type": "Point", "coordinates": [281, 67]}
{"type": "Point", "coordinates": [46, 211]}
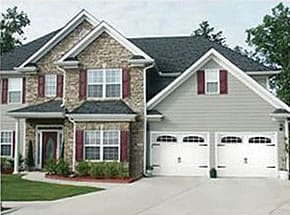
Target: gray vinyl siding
{"type": "Point", "coordinates": [261, 79]}
{"type": "Point", "coordinates": [241, 110]}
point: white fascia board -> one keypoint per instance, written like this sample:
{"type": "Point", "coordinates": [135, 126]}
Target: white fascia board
{"type": "Point", "coordinates": [263, 72]}
{"type": "Point", "coordinates": [36, 114]}
{"type": "Point", "coordinates": [72, 64]}
{"type": "Point", "coordinates": [70, 26]}
{"type": "Point", "coordinates": [154, 117]}
{"type": "Point", "coordinates": [10, 72]}
{"type": "Point", "coordinates": [169, 74]}
{"type": "Point", "coordinates": [103, 117]}
{"type": "Point", "coordinates": [280, 115]}
{"type": "Point", "coordinates": [99, 29]}
{"type": "Point", "coordinates": [233, 69]}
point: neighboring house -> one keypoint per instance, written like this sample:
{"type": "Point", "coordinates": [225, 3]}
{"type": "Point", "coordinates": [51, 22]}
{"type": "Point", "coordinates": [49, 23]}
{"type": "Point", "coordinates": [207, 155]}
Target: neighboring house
{"type": "Point", "coordinates": [180, 104]}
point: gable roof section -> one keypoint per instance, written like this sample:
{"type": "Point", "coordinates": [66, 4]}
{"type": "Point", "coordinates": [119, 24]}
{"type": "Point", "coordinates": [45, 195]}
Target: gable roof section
{"type": "Point", "coordinates": [17, 56]}
{"type": "Point", "coordinates": [97, 31]}
{"type": "Point", "coordinates": [227, 64]}
{"type": "Point", "coordinates": [49, 106]}
{"type": "Point", "coordinates": [176, 54]}
{"type": "Point", "coordinates": [69, 27]}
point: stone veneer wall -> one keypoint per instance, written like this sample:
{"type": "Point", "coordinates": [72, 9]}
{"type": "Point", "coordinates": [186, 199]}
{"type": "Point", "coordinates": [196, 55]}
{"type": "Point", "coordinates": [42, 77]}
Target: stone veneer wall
{"type": "Point", "coordinates": [46, 63]}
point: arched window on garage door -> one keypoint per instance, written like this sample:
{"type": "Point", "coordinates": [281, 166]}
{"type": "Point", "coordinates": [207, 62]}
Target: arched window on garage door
{"type": "Point", "coordinates": [166, 138]}
{"type": "Point", "coordinates": [231, 139]}
{"type": "Point", "coordinates": [259, 139]}
{"type": "Point", "coordinates": [193, 139]}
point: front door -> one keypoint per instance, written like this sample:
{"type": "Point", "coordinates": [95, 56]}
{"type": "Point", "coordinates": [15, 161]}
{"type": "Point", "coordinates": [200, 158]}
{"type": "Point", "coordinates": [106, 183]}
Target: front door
{"type": "Point", "coordinates": [49, 146]}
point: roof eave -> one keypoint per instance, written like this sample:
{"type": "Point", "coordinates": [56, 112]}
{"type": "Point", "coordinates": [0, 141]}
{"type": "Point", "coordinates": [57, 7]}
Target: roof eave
{"type": "Point", "coordinates": [273, 72]}
{"type": "Point", "coordinates": [103, 117]}
{"type": "Point", "coordinates": [36, 114]}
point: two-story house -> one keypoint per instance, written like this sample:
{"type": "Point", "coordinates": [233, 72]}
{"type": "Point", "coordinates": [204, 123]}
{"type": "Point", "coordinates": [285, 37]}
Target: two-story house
{"type": "Point", "coordinates": [183, 105]}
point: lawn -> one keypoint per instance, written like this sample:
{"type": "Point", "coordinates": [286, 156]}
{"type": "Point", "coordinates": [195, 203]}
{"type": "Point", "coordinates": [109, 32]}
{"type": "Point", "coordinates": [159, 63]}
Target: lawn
{"type": "Point", "coordinates": [14, 188]}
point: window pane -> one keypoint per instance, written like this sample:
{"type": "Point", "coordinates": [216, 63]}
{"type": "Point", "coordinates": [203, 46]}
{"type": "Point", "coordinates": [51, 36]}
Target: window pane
{"type": "Point", "coordinates": [92, 138]}
{"type": "Point", "coordinates": [14, 84]}
{"type": "Point", "coordinates": [212, 87]}
{"type": "Point", "coordinates": [95, 76]}
{"type": "Point", "coordinates": [95, 91]}
{"type": "Point", "coordinates": [50, 85]}
{"type": "Point", "coordinates": [5, 150]}
{"type": "Point", "coordinates": [113, 90]}
{"type": "Point", "coordinates": [111, 137]}
{"type": "Point", "coordinates": [212, 75]}
{"type": "Point", "coordinates": [6, 137]}
{"type": "Point", "coordinates": [111, 153]}
{"type": "Point", "coordinates": [14, 96]}
{"type": "Point", "coordinates": [92, 153]}
{"type": "Point", "coordinates": [113, 76]}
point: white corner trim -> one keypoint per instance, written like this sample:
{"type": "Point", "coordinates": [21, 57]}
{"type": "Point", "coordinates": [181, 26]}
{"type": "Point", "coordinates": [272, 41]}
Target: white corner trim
{"type": "Point", "coordinates": [97, 31]}
{"type": "Point", "coordinates": [102, 117]}
{"type": "Point", "coordinates": [73, 23]}
{"type": "Point", "coordinates": [263, 72]}
{"type": "Point", "coordinates": [36, 114]}
{"type": "Point", "coordinates": [234, 70]}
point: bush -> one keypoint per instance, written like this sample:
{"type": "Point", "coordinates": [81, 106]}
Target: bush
{"type": "Point", "coordinates": [108, 169]}
{"type": "Point", "coordinates": [96, 170]}
{"type": "Point", "coordinates": [51, 166]}
{"type": "Point", "coordinates": [62, 168]}
{"type": "Point", "coordinates": [83, 168]}
{"type": "Point", "coordinates": [6, 165]}
{"type": "Point", "coordinates": [212, 173]}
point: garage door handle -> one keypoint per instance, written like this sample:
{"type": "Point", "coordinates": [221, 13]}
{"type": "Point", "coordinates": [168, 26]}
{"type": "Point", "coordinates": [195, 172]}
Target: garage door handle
{"type": "Point", "coordinates": [156, 165]}
{"type": "Point", "coordinates": [221, 166]}
{"type": "Point", "coordinates": [271, 167]}
{"type": "Point", "coordinates": [271, 145]}
{"type": "Point", "coordinates": [203, 166]}
{"type": "Point", "coordinates": [220, 145]}
{"type": "Point", "coordinates": [155, 144]}
{"type": "Point", "coordinates": [202, 144]}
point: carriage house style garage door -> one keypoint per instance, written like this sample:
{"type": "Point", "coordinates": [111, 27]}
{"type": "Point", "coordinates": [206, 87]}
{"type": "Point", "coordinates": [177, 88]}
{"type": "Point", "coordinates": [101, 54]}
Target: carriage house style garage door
{"type": "Point", "coordinates": [246, 154]}
{"type": "Point", "coordinates": [180, 154]}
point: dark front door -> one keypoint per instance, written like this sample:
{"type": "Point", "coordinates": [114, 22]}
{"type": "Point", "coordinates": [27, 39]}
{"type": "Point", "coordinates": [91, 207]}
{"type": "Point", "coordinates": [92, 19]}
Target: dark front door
{"type": "Point", "coordinates": [49, 145]}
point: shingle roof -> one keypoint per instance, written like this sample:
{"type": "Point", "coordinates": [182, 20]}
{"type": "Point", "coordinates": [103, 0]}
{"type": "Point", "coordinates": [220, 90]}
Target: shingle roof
{"type": "Point", "coordinates": [278, 111]}
{"type": "Point", "coordinates": [103, 107]}
{"type": "Point", "coordinates": [16, 57]}
{"type": "Point", "coordinates": [50, 106]}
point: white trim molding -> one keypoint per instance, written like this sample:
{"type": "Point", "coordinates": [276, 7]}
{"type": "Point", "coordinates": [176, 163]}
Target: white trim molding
{"type": "Point", "coordinates": [274, 72]}
{"type": "Point", "coordinates": [102, 117]}
{"type": "Point", "coordinates": [230, 67]}
{"type": "Point", "coordinates": [154, 117]}
{"type": "Point", "coordinates": [70, 26]}
{"type": "Point", "coordinates": [95, 33]}
{"type": "Point", "coordinates": [39, 115]}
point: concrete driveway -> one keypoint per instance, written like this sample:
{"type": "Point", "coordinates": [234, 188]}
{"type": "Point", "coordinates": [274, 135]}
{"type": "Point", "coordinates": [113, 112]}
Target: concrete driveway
{"type": "Point", "coordinates": [177, 196]}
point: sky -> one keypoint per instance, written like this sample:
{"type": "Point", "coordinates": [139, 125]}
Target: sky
{"type": "Point", "coordinates": [138, 18]}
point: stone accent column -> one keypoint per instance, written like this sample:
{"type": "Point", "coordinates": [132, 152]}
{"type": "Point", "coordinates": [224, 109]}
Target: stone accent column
{"type": "Point", "coordinates": [68, 142]}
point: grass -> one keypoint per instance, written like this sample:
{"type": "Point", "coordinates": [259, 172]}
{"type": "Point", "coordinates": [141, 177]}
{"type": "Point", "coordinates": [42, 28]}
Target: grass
{"type": "Point", "coordinates": [14, 188]}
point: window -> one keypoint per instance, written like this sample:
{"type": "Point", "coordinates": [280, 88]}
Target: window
{"type": "Point", "coordinates": [14, 90]}
{"type": "Point", "coordinates": [260, 140]}
{"type": "Point", "coordinates": [193, 139]}
{"type": "Point", "coordinates": [231, 139]}
{"type": "Point", "coordinates": [102, 145]}
{"type": "Point", "coordinates": [212, 81]}
{"type": "Point", "coordinates": [104, 83]}
{"type": "Point", "coordinates": [166, 138]}
{"type": "Point", "coordinates": [50, 85]}
{"type": "Point", "coordinates": [6, 141]}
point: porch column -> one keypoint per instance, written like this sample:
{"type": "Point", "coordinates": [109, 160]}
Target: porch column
{"type": "Point", "coordinates": [16, 148]}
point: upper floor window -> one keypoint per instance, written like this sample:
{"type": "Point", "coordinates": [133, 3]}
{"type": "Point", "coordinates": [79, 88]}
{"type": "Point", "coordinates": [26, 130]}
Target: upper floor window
{"type": "Point", "coordinates": [50, 85]}
{"type": "Point", "coordinates": [212, 81]}
{"type": "Point", "coordinates": [6, 142]}
{"type": "Point", "coordinates": [104, 83]}
{"type": "Point", "coordinates": [14, 90]}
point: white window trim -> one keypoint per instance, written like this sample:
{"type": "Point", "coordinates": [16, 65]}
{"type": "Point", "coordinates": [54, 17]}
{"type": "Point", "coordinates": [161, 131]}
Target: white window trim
{"type": "Point", "coordinates": [218, 82]}
{"type": "Point", "coordinates": [45, 85]}
{"type": "Point", "coordinates": [11, 151]}
{"type": "Point", "coordinates": [21, 91]}
{"type": "Point", "coordinates": [104, 83]}
{"type": "Point", "coordinates": [102, 145]}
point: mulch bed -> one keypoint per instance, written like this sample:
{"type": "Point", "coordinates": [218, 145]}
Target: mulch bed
{"type": "Point", "coordinates": [92, 179]}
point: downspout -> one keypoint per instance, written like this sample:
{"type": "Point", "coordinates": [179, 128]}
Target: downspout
{"type": "Point", "coordinates": [145, 115]}
{"type": "Point", "coordinates": [74, 144]}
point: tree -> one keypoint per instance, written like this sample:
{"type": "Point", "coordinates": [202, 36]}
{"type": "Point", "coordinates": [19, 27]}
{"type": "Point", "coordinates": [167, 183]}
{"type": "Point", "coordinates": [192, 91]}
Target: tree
{"type": "Point", "coordinates": [206, 31]}
{"type": "Point", "coordinates": [11, 29]}
{"type": "Point", "coordinates": [271, 40]}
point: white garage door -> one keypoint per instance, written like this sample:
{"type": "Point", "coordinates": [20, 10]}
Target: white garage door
{"type": "Point", "coordinates": [180, 154]}
{"type": "Point", "coordinates": [246, 154]}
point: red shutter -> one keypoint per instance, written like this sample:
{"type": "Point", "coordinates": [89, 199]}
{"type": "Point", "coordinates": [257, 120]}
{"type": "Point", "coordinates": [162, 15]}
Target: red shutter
{"type": "Point", "coordinates": [4, 91]}
{"type": "Point", "coordinates": [126, 83]}
{"type": "Point", "coordinates": [13, 143]}
{"type": "Point", "coordinates": [23, 90]}
{"type": "Point", "coordinates": [41, 85]}
{"type": "Point", "coordinates": [223, 82]}
{"type": "Point", "coordinates": [124, 145]}
{"type": "Point", "coordinates": [59, 85]}
{"type": "Point", "coordinates": [83, 84]}
{"type": "Point", "coordinates": [79, 144]}
{"type": "Point", "coordinates": [200, 82]}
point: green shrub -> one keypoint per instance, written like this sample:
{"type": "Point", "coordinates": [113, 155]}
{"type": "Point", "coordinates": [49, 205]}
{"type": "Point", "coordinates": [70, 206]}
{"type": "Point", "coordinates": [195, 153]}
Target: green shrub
{"type": "Point", "coordinates": [108, 169]}
{"type": "Point", "coordinates": [83, 168]}
{"type": "Point", "coordinates": [62, 168]}
{"type": "Point", "coordinates": [96, 170]}
{"type": "Point", "coordinates": [6, 165]}
{"type": "Point", "coordinates": [51, 166]}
